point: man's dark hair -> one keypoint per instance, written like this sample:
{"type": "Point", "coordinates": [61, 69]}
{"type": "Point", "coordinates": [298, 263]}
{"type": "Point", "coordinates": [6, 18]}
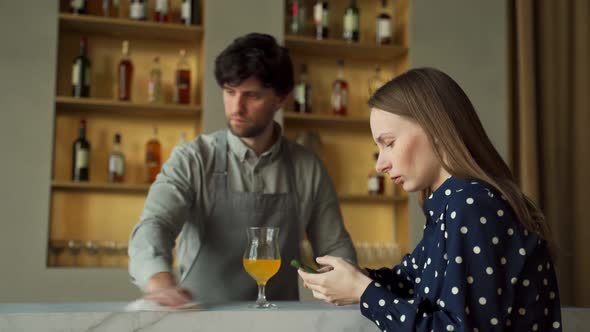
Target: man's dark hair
{"type": "Point", "coordinates": [255, 55]}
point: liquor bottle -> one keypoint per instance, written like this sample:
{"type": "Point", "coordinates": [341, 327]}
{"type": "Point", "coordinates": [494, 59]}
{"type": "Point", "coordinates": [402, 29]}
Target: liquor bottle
{"type": "Point", "coordinates": [116, 161]}
{"type": "Point", "coordinates": [375, 82]}
{"type": "Point", "coordinates": [383, 31]}
{"type": "Point", "coordinates": [81, 72]}
{"type": "Point", "coordinates": [78, 6]}
{"type": "Point", "coordinates": [297, 16]}
{"type": "Point", "coordinates": [351, 22]}
{"type": "Point", "coordinates": [182, 88]}
{"type": "Point", "coordinates": [155, 83]}
{"type": "Point", "coordinates": [321, 19]}
{"type": "Point", "coordinates": [125, 74]}
{"type": "Point", "coordinates": [302, 92]}
{"type": "Point", "coordinates": [162, 13]}
{"type": "Point", "coordinates": [340, 91]}
{"type": "Point", "coordinates": [190, 12]}
{"type": "Point", "coordinates": [110, 8]}
{"type": "Point", "coordinates": [153, 161]}
{"type": "Point", "coordinates": [137, 10]}
{"type": "Point", "coordinates": [81, 155]}
{"type": "Point", "coordinates": [376, 182]}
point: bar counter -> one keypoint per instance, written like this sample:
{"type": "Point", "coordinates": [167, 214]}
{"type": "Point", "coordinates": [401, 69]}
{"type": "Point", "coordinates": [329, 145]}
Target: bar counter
{"type": "Point", "coordinates": [111, 316]}
{"type": "Point", "coordinates": [290, 316]}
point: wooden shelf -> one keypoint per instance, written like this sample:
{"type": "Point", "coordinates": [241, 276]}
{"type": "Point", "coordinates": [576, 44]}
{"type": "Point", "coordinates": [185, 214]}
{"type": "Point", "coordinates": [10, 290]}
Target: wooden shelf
{"type": "Point", "coordinates": [340, 48]}
{"type": "Point", "coordinates": [143, 188]}
{"type": "Point", "coordinates": [291, 116]}
{"type": "Point", "coordinates": [380, 199]}
{"type": "Point", "coordinates": [94, 186]}
{"type": "Point", "coordinates": [71, 104]}
{"type": "Point", "coordinates": [121, 27]}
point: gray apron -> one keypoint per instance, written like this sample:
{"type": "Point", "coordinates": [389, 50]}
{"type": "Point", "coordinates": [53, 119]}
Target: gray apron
{"type": "Point", "coordinates": [217, 273]}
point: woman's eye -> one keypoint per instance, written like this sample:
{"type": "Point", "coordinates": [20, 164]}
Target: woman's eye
{"type": "Point", "coordinates": [389, 145]}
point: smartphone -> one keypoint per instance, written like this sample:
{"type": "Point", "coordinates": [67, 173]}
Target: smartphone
{"type": "Point", "coordinates": [297, 264]}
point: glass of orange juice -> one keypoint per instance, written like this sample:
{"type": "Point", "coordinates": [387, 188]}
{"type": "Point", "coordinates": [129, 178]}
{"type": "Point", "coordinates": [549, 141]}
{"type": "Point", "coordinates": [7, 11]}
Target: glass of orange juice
{"type": "Point", "coordinates": [262, 259]}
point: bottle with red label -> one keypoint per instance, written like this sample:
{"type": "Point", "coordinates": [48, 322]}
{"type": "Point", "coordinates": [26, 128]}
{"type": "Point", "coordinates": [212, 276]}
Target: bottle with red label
{"type": "Point", "coordinates": [182, 87]}
{"type": "Point", "coordinates": [340, 91]}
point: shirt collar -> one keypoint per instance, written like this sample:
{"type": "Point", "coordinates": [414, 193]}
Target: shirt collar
{"type": "Point", "coordinates": [243, 152]}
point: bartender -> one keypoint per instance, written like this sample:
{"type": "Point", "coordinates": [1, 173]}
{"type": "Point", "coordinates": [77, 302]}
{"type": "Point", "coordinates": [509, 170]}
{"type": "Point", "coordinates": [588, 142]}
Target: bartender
{"type": "Point", "coordinates": [248, 174]}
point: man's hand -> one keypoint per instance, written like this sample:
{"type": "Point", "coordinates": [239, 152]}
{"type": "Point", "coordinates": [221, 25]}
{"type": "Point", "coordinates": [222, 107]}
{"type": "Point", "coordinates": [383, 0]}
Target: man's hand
{"type": "Point", "coordinates": [162, 289]}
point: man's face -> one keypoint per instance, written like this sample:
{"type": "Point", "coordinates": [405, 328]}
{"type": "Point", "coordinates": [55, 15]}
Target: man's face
{"type": "Point", "coordinates": [250, 107]}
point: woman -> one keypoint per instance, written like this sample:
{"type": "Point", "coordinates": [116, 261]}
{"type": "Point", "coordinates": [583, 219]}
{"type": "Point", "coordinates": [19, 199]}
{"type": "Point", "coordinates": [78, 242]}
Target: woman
{"type": "Point", "coordinates": [484, 261]}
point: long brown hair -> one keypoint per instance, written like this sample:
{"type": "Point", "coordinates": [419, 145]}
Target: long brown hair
{"type": "Point", "coordinates": [437, 103]}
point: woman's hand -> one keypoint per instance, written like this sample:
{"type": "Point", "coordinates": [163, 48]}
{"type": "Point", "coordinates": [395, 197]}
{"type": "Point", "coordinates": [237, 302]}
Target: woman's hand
{"type": "Point", "coordinates": [339, 282]}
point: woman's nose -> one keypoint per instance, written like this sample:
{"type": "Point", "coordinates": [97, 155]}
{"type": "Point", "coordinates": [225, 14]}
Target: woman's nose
{"type": "Point", "coordinates": [381, 166]}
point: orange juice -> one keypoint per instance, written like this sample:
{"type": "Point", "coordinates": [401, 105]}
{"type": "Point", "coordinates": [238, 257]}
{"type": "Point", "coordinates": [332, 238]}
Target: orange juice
{"type": "Point", "coordinates": [261, 269]}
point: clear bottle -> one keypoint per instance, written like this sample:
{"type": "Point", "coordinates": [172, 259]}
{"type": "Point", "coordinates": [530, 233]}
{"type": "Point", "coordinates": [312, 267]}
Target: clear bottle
{"type": "Point", "coordinates": [138, 10]}
{"type": "Point", "coordinates": [182, 88]}
{"type": "Point", "coordinates": [302, 93]}
{"type": "Point", "coordinates": [78, 6]}
{"type": "Point", "coordinates": [351, 22]}
{"type": "Point", "coordinates": [153, 157]}
{"type": "Point", "coordinates": [375, 82]}
{"type": "Point", "coordinates": [81, 155]}
{"type": "Point", "coordinates": [376, 181]}
{"type": "Point", "coordinates": [383, 31]}
{"type": "Point", "coordinates": [340, 91]}
{"type": "Point", "coordinates": [81, 71]}
{"type": "Point", "coordinates": [155, 94]}
{"type": "Point", "coordinates": [116, 162]}
{"type": "Point", "coordinates": [182, 138]}
{"type": "Point", "coordinates": [125, 73]}
{"type": "Point", "coordinates": [321, 16]}
{"type": "Point", "coordinates": [162, 12]}
{"type": "Point", "coordinates": [190, 12]}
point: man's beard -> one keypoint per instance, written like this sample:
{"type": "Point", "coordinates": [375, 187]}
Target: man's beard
{"type": "Point", "coordinates": [247, 132]}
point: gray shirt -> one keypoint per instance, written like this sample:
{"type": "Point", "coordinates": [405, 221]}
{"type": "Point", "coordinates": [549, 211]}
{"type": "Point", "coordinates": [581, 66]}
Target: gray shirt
{"type": "Point", "coordinates": [180, 191]}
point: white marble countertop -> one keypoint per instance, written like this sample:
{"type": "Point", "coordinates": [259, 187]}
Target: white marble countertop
{"type": "Point", "coordinates": [290, 316]}
{"type": "Point", "coordinates": [111, 316]}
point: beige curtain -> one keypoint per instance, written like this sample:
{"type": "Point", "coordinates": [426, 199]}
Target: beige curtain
{"type": "Point", "coordinates": [551, 127]}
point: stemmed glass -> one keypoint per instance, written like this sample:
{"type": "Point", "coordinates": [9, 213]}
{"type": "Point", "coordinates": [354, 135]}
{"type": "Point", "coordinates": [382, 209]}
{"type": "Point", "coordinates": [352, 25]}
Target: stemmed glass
{"type": "Point", "coordinates": [262, 260]}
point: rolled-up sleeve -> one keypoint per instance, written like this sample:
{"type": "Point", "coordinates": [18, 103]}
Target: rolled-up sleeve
{"type": "Point", "coordinates": [167, 206]}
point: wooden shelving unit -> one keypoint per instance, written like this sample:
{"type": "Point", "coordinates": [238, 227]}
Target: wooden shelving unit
{"type": "Point", "coordinates": [99, 187]}
{"type": "Point", "coordinates": [96, 105]}
{"type": "Point", "coordinates": [339, 48]}
{"type": "Point", "coordinates": [99, 210]}
{"type": "Point", "coordinates": [143, 189]}
{"type": "Point", "coordinates": [346, 142]}
{"type": "Point", "coordinates": [119, 27]}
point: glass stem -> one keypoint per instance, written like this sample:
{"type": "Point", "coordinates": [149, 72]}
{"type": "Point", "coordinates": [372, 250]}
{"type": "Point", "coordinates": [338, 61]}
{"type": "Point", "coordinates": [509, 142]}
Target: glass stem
{"type": "Point", "coordinates": [261, 295]}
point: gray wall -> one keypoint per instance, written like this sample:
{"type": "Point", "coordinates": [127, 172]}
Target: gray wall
{"type": "Point", "coordinates": [468, 39]}
{"type": "Point", "coordinates": [27, 62]}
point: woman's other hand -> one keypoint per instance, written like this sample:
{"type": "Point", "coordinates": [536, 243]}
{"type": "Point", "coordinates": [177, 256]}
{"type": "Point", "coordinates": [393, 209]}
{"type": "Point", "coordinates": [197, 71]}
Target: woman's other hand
{"type": "Point", "coordinates": [339, 282]}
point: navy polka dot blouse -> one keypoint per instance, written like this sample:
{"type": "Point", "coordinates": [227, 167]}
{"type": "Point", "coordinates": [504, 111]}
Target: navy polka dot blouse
{"type": "Point", "coordinates": [476, 269]}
